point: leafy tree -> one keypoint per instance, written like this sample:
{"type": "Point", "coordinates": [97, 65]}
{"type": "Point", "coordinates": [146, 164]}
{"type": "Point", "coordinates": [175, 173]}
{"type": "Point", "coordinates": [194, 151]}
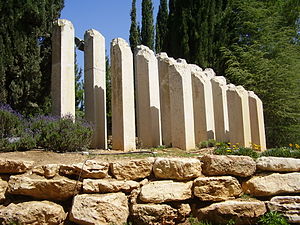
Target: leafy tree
{"type": "Point", "coordinates": [134, 36]}
{"type": "Point", "coordinates": [147, 32]}
{"type": "Point", "coordinates": [79, 90]}
{"type": "Point", "coordinates": [108, 96]}
{"type": "Point", "coordinates": [25, 53]}
{"type": "Point", "coordinates": [161, 25]}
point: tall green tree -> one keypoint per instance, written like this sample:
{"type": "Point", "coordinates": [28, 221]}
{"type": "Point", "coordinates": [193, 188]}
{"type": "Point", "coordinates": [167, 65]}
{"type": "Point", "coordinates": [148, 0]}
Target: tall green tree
{"type": "Point", "coordinates": [134, 34]}
{"type": "Point", "coordinates": [147, 32]}
{"type": "Point", "coordinates": [108, 96]}
{"type": "Point", "coordinates": [25, 53]}
{"type": "Point", "coordinates": [161, 25]}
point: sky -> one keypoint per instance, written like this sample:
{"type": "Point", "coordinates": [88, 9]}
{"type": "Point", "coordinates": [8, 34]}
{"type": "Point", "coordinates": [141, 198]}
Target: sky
{"type": "Point", "coordinates": [110, 17]}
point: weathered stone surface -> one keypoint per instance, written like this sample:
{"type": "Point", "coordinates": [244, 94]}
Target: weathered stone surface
{"type": "Point", "coordinates": [108, 185]}
{"type": "Point", "coordinates": [278, 164]}
{"type": "Point", "coordinates": [63, 70]}
{"type": "Point", "coordinates": [238, 115]}
{"type": "Point", "coordinates": [177, 168]}
{"type": "Point", "coordinates": [289, 206]}
{"type": "Point", "coordinates": [133, 169]}
{"type": "Point", "coordinates": [181, 104]}
{"type": "Point", "coordinates": [15, 166]}
{"type": "Point", "coordinates": [273, 184]}
{"type": "Point", "coordinates": [165, 191]}
{"type": "Point", "coordinates": [217, 188]}
{"type": "Point", "coordinates": [123, 115]}
{"type": "Point", "coordinates": [58, 189]}
{"type": "Point", "coordinates": [151, 214]}
{"type": "Point", "coordinates": [242, 212]}
{"type": "Point", "coordinates": [91, 169]}
{"type": "Point", "coordinates": [100, 209]}
{"type": "Point", "coordinates": [147, 97]}
{"type": "Point", "coordinates": [34, 213]}
{"type": "Point", "coordinates": [95, 86]}
{"type": "Point", "coordinates": [48, 171]}
{"type": "Point", "coordinates": [242, 166]}
{"type": "Point", "coordinates": [3, 187]}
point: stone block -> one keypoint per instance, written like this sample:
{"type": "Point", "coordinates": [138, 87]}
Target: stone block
{"type": "Point", "coordinates": [95, 86]}
{"type": "Point", "coordinates": [257, 121]}
{"type": "Point", "coordinates": [63, 70]}
{"type": "Point", "coordinates": [177, 168]}
{"type": "Point", "coordinates": [219, 90]}
{"type": "Point", "coordinates": [278, 164]}
{"type": "Point", "coordinates": [181, 100]}
{"type": "Point", "coordinates": [15, 166]}
{"type": "Point", "coordinates": [123, 114]}
{"type": "Point", "coordinates": [3, 187]}
{"type": "Point", "coordinates": [147, 97]}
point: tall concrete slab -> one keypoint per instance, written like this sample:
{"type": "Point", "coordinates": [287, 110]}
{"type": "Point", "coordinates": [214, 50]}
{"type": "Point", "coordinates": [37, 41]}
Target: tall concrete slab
{"type": "Point", "coordinates": [63, 72]}
{"type": "Point", "coordinates": [164, 63]}
{"type": "Point", "coordinates": [219, 89]}
{"type": "Point", "coordinates": [181, 100]}
{"type": "Point", "coordinates": [202, 104]}
{"type": "Point", "coordinates": [147, 97]}
{"type": "Point", "coordinates": [123, 118]}
{"type": "Point", "coordinates": [239, 116]}
{"type": "Point", "coordinates": [95, 86]}
{"type": "Point", "coordinates": [257, 120]}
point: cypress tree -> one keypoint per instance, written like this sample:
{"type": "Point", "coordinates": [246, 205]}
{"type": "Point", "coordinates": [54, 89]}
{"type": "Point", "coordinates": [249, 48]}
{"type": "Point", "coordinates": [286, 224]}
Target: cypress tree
{"type": "Point", "coordinates": [25, 55]}
{"type": "Point", "coordinates": [147, 32]}
{"type": "Point", "coordinates": [161, 25]}
{"type": "Point", "coordinates": [134, 34]}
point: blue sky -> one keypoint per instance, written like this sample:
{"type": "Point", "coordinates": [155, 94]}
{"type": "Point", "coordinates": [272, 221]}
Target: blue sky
{"type": "Point", "coordinates": [110, 17]}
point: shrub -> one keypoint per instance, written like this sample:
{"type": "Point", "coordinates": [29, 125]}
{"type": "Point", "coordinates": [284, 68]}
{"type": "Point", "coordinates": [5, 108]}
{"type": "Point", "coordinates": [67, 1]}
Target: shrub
{"type": "Point", "coordinates": [272, 218]}
{"type": "Point", "coordinates": [206, 144]}
{"type": "Point", "coordinates": [282, 152]}
{"type": "Point", "coordinates": [61, 135]}
{"type": "Point", "coordinates": [236, 151]}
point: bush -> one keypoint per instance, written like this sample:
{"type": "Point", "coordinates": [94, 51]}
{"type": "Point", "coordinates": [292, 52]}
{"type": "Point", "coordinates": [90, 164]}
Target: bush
{"type": "Point", "coordinates": [236, 151]}
{"type": "Point", "coordinates": [272, 218]}
{"type": "Point", "coordinates": [61, 135]}
{"type": "Point", "coordinates": [206, 144]}
{"type": "Point", "coordinates": [282, 152]}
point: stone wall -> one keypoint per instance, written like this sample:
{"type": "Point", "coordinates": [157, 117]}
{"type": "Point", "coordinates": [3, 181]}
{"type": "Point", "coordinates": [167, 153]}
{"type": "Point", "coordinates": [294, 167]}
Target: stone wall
{"type": "Point", "coordinates": [149, 190]}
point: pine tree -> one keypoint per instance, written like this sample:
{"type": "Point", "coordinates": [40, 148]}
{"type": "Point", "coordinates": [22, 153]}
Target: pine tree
{"type": "Point", "coordinates": [25, 55]}
{"type": "Point", "coordinates": [161, 25]}
{"type": "Point", "coordinates": [134, 36]}
{"type": "Point", "coordinates": [147, 32]}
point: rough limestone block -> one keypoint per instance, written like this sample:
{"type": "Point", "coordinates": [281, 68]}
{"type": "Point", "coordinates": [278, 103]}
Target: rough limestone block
{"type": "Point", "coordinates": [278, 164]}
{"type": "Point", "coordinates": [203, 105]}
{"type": "Point", "coordinates": [219, 89]}
{"type": "Point", "coordinates": [242, 166]}
{"type": "Point", "coordinates": [100, 209]}
{"type": "Point", "coordinates": [123, 118]}
{"type": "Point", "coordinates": [95, 86]}
{"type": "Point", "coordinates": [273, 184]}
{"type": "Point", "coordinates": [164, 63]}
{"type": "Point", "coordinates": [217, 188]}
{"type": "Point", "coordinates": [33, 212]}
{"type": "Point", "coordinates": [153, 214]}
{"type": "Point", "coordinates": [58, 189]}
{"type": "Point", "coordinates": [166, 191]}
{"type": "Point", "coordinates": [239, 116]}
{"type": "Point", "coordinates": [241, 212]}
{"type": "Point", "coordinates": [3, 187]}
{"type": "Point", "coordinates": [177, 168]}
{"type": "Point", "coordinates": [63, 72]}
{"type": "Point", "coordinates": [15, 166]}
{"type": "Point", "coordinates": [133, 169]}
{"type": "Point", "coordinates": [288, 206]}
{"type": "Point", "coordinates": [48, 171]}
{"type": "Point", "coordinates": [147, 97]}
{"type": "Point", "coordinates": [181, 100]}
{"type": "Point", "coordinates": [257, 121]}
{"type": "Point", "coordinates": [108, 185]}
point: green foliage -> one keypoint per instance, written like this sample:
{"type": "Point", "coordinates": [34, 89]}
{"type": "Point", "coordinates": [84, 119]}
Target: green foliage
{"type": "Point", "coordinates": [282, 152]}
{"type": "Point", "coordinates": [147, 32]}
{"type": "Point", "coordinates": [134, 33]}
{"type": "Point", "coordinates": [236, 150]}
{"type": "Point", "coordinates": [79, 91]}
{"type": "Point", "coordinates": [206, 144]}
{"type": "Point", "coordinates": [61, 135]}
{"type": "Point", "coordinates": [195, 221]}
{"type": "Point", "coordinates": [272, 218]}
{"type": "Point", "coordinates": [25, 53]}
{"type": "Point", "coordinates": [161, 25]}
{"type": "Point", "coordinates": [108, 96]}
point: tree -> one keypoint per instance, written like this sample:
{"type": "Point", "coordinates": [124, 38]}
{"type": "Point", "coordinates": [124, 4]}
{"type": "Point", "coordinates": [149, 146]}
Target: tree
{"type": "Point", "coordinates": [147, 32]}
{"type": "Point", "coordinates": [134, 36]}
{"type": "Point", "coordinates": [161, 25]}
{"type": "Point", "coordinates": [25, 55]}
{"type": "Point", "coordinates": [108, 96]}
